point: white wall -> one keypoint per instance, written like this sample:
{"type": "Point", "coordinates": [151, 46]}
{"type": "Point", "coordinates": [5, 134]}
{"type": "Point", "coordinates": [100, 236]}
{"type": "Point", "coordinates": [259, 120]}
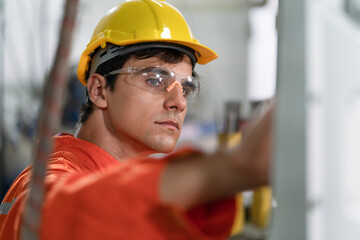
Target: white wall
{"type": "Point", "coordinates": [333, 108]}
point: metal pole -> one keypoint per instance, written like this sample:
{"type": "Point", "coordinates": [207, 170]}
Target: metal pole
{"type": "Point", "coordinates": [48, 125]}
{"type": "Point", "coordinates": [289, 180]}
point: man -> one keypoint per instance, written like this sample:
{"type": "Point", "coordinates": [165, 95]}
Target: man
{"type": "Point", "coordinates": [138, 70]}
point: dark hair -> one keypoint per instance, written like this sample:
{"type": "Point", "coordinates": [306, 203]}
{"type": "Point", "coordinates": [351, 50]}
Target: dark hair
{"type": "Point", "coordinates": [163, 54]}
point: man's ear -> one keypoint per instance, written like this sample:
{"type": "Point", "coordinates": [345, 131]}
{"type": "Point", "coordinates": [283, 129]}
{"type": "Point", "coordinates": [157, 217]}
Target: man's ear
{"type": "Point", "coordinates": [96, 90]}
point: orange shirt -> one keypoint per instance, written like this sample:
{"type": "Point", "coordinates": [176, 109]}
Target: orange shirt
{"type": "Point", "coordinates": [90, 195]}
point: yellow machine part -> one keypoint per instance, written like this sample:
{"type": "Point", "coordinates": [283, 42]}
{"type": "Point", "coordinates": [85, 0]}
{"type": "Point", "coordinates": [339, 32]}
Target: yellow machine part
{"type": "Point", "coordinates": [231, 140]}
{"type": "Point", "coordinates": [260, 210]}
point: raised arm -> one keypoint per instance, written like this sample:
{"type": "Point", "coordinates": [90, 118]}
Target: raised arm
{"type": "Point", "coordinates": [194, 179]}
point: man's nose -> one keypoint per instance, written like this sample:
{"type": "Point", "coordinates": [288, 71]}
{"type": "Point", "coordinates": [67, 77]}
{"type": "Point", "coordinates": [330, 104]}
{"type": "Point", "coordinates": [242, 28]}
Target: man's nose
{"type": "Point", "coordinates": [175, 99]}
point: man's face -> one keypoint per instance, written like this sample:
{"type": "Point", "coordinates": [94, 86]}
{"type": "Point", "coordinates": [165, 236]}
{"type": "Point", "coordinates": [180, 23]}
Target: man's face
{"type": "Point", "coordinates": [143, 120]}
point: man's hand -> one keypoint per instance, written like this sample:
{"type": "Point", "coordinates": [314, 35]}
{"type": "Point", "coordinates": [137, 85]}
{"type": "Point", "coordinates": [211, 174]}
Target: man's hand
{"type": "Point", "coordinates": [254, 153]}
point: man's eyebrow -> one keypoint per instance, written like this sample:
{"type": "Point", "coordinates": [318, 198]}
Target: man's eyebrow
{"type": "Point", "coordinates": [158, 70]}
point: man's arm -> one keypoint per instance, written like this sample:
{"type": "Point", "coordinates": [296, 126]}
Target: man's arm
{"type": "Point", "coordinates": [194, 179]}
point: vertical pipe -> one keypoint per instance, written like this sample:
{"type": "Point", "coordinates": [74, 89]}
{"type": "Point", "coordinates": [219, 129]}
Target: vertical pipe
{"type": "Point", "coordinates": [289, 221]}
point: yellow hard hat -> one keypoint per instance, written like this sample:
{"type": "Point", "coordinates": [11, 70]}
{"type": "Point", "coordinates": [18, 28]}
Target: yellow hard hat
{"type": "Point", "coordinates": [142, 21]}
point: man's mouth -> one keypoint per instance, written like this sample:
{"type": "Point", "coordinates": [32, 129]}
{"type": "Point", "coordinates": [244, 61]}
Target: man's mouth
{"type": "Point", "coordinates": [174, 125]}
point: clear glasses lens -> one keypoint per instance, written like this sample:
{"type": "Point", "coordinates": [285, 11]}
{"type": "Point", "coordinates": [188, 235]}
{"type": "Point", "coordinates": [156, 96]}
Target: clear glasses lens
{"type": "Point", "coordinates": [157, 80]}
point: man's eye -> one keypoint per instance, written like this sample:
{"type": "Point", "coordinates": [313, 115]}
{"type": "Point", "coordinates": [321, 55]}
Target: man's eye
{"type": "Point", "coordinates": [154, 82]}
{"type": "Point", "coordinates": [188, 88]}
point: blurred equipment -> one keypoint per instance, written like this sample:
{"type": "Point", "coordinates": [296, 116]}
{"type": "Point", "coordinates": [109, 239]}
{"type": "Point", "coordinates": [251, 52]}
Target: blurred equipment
{"type": "Point", "coordinates": [75, 97]}
{"type": "Point", "coordinates": [254, 208]}
{"type": "Point", "coordinates": [352, 7]}
{"type": "Point", "coordinates": [228, 138]}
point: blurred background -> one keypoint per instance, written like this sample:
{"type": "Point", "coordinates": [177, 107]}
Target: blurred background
{"type": "Point", "coordinates": [304, 52]}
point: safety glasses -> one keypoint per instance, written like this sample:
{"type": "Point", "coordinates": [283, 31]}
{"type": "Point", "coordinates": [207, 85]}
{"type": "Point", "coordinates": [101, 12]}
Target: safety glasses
{"type": "Point", "coordinates": [159, 80]}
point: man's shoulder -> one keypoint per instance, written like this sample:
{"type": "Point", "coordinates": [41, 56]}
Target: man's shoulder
{"type": "Point", "coordinates": [79, 153]}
